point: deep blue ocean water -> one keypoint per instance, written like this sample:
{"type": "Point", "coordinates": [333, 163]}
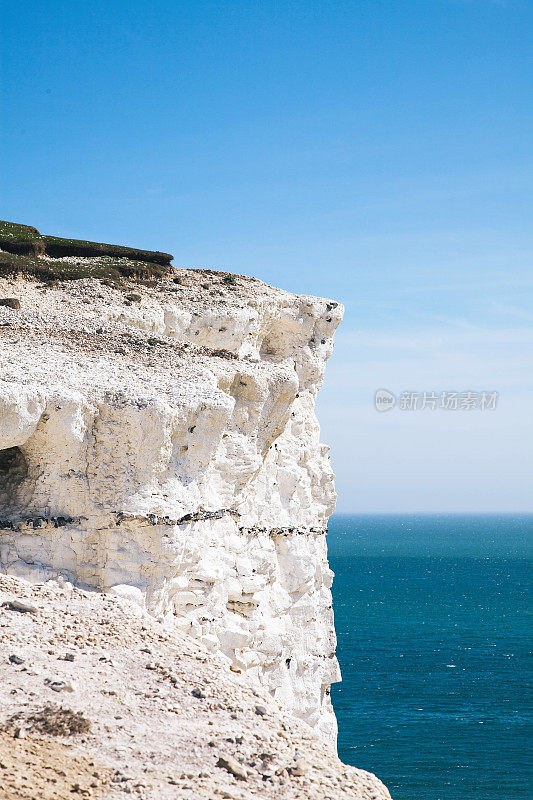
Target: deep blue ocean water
{"type": "Point", "coordinates": [434, 626]}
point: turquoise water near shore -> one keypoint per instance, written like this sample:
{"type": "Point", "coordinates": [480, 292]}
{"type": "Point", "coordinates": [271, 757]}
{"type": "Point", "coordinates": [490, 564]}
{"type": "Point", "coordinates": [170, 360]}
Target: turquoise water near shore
{"type": "Point", "coordinates": [434, 624]}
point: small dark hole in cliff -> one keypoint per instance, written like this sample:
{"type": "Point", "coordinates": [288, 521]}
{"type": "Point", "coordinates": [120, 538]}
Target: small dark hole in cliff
{"type": "Point", "coordinates": [13, 471]}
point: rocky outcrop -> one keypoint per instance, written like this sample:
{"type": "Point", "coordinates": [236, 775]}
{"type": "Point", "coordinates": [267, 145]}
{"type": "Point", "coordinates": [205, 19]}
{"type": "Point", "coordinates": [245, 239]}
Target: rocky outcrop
{"type": "Point", "coordinates": [162, 445]}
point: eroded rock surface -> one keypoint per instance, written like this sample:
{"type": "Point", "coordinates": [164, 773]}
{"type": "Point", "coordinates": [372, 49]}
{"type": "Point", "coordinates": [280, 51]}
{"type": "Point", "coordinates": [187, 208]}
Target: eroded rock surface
{"type": "Point", "coordinates": [165, 448]}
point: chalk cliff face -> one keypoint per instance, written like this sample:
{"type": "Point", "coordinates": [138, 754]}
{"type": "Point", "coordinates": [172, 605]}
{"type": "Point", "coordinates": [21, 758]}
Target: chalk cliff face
{"type": "Point", "coordinates": [160, 442]}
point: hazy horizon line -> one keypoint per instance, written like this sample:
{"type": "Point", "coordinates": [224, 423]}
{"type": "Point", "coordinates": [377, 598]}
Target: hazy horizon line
{"type": "Point", "coordinates": [432, 513]}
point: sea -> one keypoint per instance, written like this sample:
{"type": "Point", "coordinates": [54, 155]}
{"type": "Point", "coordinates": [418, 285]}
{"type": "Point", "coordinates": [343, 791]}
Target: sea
{"type": "Point", "coordinates": [434, 624]}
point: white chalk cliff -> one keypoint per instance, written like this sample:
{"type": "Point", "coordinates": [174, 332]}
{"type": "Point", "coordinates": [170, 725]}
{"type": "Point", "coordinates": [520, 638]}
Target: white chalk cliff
{"type": "Point", "coordinates": [163, 445]}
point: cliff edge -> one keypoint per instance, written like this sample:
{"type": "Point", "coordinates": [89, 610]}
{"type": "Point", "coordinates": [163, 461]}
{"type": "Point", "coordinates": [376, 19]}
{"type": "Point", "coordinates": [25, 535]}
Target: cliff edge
{"type": "Point", "coordinates": [158, 441]}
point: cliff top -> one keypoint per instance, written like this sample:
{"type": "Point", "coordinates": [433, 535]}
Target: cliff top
{"type": "Point", "coordinates": [26, 253]}
{"type": "Point", "coordinates": [72, 296]}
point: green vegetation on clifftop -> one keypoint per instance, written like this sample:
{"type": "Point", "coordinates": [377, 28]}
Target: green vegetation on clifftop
{"type": "Point", "coordinates": [25, 251]}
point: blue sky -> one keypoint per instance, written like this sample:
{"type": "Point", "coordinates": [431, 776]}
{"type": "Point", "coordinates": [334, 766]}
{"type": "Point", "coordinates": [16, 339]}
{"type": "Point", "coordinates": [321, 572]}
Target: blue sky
{"type": "Point", "coordinates": [375, 152]}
